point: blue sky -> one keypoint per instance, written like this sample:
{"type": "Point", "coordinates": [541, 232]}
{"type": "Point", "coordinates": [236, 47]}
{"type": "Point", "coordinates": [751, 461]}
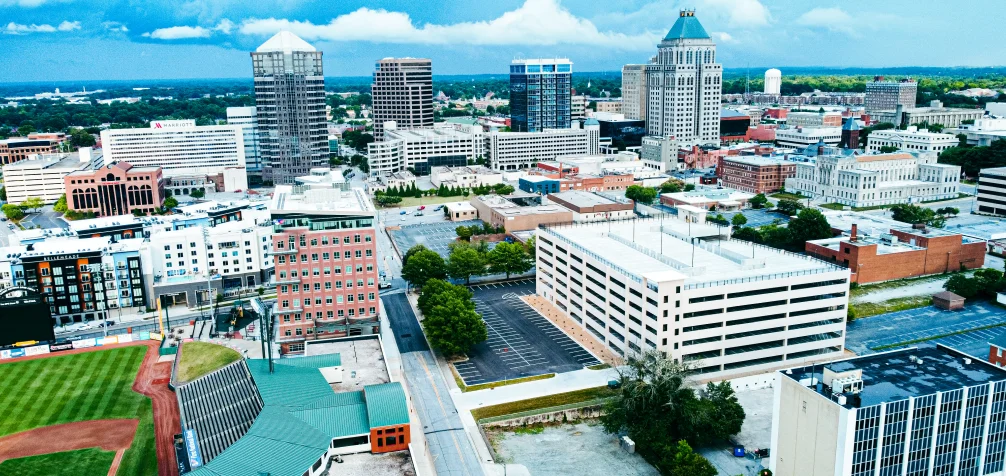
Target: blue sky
{"type": "Point", "coordinates": [59, 40]}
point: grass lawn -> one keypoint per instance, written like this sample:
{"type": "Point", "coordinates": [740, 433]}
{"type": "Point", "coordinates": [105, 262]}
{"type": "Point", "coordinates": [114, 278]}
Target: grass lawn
{"type": "Point", "coordinates": [869, 288]}
{"type": "Point", "coordinates": [833, 206]}
{"type": "Point", "coordinates": [86, 462]}
{"type": "Point", "coordinates": [568, 398]}
{"type": "Point", "coordinates": [867, 309]}
{"type": "Point", "coordinates": [201, 358]}
{"type": "Point", "coordinates": [434, 200]}
{"type": "Point", "coordinates": [89, 386]}
{"type": "Point", "coordinates": [788, 196]}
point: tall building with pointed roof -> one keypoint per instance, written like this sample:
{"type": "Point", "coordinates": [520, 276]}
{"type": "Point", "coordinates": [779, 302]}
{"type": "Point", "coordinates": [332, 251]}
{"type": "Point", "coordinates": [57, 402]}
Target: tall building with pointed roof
{"type": "Point", "coordinates": [683, 85]}
{"type": "Point", "coordinates": [290, 107]}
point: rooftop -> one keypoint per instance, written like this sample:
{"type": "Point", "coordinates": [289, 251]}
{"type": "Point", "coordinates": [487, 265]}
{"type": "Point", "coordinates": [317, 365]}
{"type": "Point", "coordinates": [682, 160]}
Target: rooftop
{"type": "Point", "coordinates": [705, 195]}
{"type": "Point", "coordinates": [687, 27]}
{"type": "Point", "coordinates": [428, 133]}
{"type": "Point", "coordinates": [69, 162]}
{"type": "Point", "coordinates": [353, 202]}
{"type": "Point", "coordinates": [286, 42]}
{"type": "Point", "coordinates": [754, 160]}
{"type": "Point", "coordinates": [585, 199]}
{"type": "Point", "coordinates": [660, 249]}
{"type": "Point", "coordinates": [896, 375]}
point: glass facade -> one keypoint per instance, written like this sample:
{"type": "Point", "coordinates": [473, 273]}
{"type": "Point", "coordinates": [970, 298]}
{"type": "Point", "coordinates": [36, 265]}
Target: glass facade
{"type": "Point", "coordinates": [540, 96]}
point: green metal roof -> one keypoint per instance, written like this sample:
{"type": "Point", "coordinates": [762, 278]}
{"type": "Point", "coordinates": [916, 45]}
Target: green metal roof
{"type": "Point", "coordinates": [301, 417]}
{"type": "Point", "coordinates": [687, 27]}
{"type": "Point", "coordinates": [386, 404]}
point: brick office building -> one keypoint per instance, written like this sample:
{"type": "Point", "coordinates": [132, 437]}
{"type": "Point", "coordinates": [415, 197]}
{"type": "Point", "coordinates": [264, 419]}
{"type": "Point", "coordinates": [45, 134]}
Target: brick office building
{"type": "Point", "coordinates": [997, 350]}
{"type": "Point", "coordinates": [900, 253]}
{"type": "Point", "coordinates": [326, 263]}
{"type": "Point", "coordinates": [20, 148]}
{"type": "Point", "coordinates": [754, 174]}
{"type": "Point", "coordinates": [118, 189]}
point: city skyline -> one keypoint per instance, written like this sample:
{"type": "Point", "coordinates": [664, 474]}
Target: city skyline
{"type": "Point", "coordinates": [157, 40]}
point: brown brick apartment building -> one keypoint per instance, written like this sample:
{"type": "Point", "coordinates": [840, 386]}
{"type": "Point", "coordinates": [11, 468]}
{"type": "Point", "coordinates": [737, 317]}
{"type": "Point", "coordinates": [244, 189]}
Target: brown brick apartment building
{"type": "Point", "coordinates": [754, 174]}
{"type": "Point", "coordinates": [900, 253]}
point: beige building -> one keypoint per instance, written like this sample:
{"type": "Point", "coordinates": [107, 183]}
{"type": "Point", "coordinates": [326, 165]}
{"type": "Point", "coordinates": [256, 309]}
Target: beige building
{"type": "Point", "coordinates": [519, 212]}
{"type": "Point", "coordinates": [814, 119]}
{"type": "Point", "coordinates": [634, 98]}
{"type": "Point", "coordinates": [460, 211]}
{"type": "Point", "coordinates": [587, 206]}
{"type": "Point", "coordinates": [613, 106]}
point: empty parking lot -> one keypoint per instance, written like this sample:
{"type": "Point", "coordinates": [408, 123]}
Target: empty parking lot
{"type": "Point", "coordinates": [435, 236]}
{"type": "Point", "coordinates": [864, 335]}
{"type": "Point", "coordinates": [521, 342]}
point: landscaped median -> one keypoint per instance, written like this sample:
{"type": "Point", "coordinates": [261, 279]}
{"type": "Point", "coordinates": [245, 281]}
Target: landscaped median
{"type": "Point", "coordinates": [546, 404]}
{"type": "Point", "coordinates": [868, 309]}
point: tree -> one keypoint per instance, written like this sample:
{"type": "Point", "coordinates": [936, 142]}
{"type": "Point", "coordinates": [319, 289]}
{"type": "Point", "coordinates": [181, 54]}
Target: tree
{"type": "Point", "coordinates": [139, 213]}
{"type": "Point", "coordinates": [32, 204]}
{"type": "Point", "coordinates": [808, 225]}
{"type": "Point", "coordinates": [738, 220]}
{"type": "Point", "coordinates": [412, 251]}
{"type": "Point", "coordinates": [915, 214]}
{"type": "Point", "coordinates": [531, 246]}
{"type": "Point", "coordinates": [887, 149]}
{"type": "Point", "coordinates": [81, 138]}
{"type": "Point", "coordinates": [509, 258]}
{"type": "Point", "coordinates": [963, 286]}
{"type": "Point", "coordinates": [758, 201]}
{"type": "Point", "coordinates": [640, 194]}
{"type": "Point", "coordinates": [789, 207]}
{"type": "Point", "coordinates": [3, 193]}
{"type": "Point", "coordinates": [990, 281]}
{"type": "Point", "coordinates": [689, 187]}
{"type": "Point", "coordinates": [386, 200]}
{"type": "Point", "coordinates": [672, 185]}
{"type": "Point", "coordinates": [12, 212]}
{"type": "Point", "coordinates": [197, 193]}
{"type": "Point", "coordinates": [683, 461]}
{"type": "Point", "coordinates": [438, 291]}
{"type": "Point", "coordinates": [453, 326]}
{"type": "Point", "coordinates": [423, 266]}
{"type": "Point", "coordinates": [60, 205]}
{"type": "Point", "coordinates": [464, 232]}
{"type": "Point", "coordinates": [503, 189]}
{"type": "Point", "coordinates": [747, 233]}
{"type": "Point", "coordinates": [170, 203]}
{"type": "Point", "coordinates": [465, 262]}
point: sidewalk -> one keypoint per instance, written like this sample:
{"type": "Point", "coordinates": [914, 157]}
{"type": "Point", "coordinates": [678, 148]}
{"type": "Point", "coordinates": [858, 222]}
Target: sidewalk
{"type": "Point", "coordinates": [561, 383]}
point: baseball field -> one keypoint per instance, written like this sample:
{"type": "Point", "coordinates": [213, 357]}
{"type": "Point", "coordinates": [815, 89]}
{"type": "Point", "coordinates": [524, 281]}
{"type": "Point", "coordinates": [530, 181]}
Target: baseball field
{"type": "Point", "coordinates": [76, 414]}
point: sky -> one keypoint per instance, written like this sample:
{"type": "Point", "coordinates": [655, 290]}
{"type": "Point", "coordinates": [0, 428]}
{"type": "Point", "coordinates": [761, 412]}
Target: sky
{"type": "Point", "coordinates": [67, 40]}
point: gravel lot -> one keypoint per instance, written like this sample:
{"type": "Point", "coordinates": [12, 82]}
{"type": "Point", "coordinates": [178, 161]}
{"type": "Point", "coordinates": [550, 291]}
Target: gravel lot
{"type": "Point", "coordinates": [583, 449]}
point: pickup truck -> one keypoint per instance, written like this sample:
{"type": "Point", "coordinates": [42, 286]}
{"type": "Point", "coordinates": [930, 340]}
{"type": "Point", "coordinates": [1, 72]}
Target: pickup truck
{"type": "Point", "coordinates": [384, 285]}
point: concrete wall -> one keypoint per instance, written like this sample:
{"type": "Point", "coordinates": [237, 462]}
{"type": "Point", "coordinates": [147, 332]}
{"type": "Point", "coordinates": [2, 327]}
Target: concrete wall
{"type": "Point", "coordinates": [805, 432]}
{"type": "Point", "coordinates": [593, 411]}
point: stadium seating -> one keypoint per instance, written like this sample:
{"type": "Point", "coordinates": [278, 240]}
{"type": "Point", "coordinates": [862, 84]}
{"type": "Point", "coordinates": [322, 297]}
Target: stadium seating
{"type": "Point", "coordinates": [220, 406]}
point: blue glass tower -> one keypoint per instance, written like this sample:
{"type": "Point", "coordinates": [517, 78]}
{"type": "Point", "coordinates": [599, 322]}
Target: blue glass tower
{"type": "Point", "coordinates": [540, 94]}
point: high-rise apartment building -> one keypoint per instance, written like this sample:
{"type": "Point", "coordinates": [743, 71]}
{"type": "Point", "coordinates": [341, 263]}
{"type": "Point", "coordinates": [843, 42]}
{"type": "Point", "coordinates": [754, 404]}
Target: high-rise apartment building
{"type": "Point", "coordinates": [402, 92]}
{"type": "Point", "coordinates": [246, 118]}
{"type": "Point", "coordinates": [684, 85]}
{"type": "Point", "coordinates": [634, 97]}
{"type": "Point", "coordinates": [540, 94]}
{"type": "Point", "coordinates": [325, 252]}
{"type": "Point", "coordinates": [773, 81]}
{"type": "Point", "coordinates": [884, 95]}
{"type": "Point", "coordinates": [178, 147]}
{"type": "Point", "coordinates": [290, 107]}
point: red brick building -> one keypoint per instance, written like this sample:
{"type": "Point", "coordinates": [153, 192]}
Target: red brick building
{"type": "Point", "coordinates": [754, 174]}
{"type": "Point", "coordinates": [117, 189]}
{"type": "Point", "coordinates": [900, 254]}
{"type": "Point", "coordinates": [997, 350]}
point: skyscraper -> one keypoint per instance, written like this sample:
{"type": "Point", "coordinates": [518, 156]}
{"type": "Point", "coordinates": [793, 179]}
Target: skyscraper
{"type": "Point", "coordinates": [884, 95]}
{"type": "Point", "coordinates": [684, 85]}
{"type": "Point", "coordinates": [290, 107]}
{"type": "Point", "coordinates": [634, 91]}
{"type": "Point", "coordinates": [540, 94]}
{"type": "Point", "coordinates": [402, 92]}
{"type": "Point", "coordinates": [773, 81]}
{"type": "Point", "coordinates": [247, 119]}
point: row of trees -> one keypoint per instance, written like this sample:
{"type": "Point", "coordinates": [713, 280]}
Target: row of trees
{"type": "Point", "coordinates": [808, 225]}
{"type": "Point", "coordinates": [56, 116]}
{"type": "Point", "coordinates": [915, 214]}
{"type": "Point", "coordinates": [666, 417]}
{"type": "Point", "coordinates": [18, 211]}
{"type": "Point", "coordinates": [449, 318]}
{"type": "Point", "coordinates": [985, 283]}
{"type": "Point", "coordinates": [674, 185]}
{"type": "Point", "coordinates": [972, 159]}
{"type": "Point", "coordinates": [467, 232]}
{"type": "Point", "coordinates": [465, 260]}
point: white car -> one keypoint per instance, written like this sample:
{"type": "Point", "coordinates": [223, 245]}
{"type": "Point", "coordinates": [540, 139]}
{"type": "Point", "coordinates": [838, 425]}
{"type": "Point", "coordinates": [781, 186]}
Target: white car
{"type": "Point", "coordinates": [86, 327]}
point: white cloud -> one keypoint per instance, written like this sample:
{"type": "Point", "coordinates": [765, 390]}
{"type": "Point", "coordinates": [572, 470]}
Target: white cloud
{"type": "Point", "coordinates": [536, 22]}
{"type": "Point", "coordinates": [187, 32]}
{"type": "Point", "coordinates": [21, 3]}
{"type": "Point", "coordinates": [723, 37]}
{"type": "Point", "coordinates": [21, 29]}
{"type": "Point", "coordinates": [115, 26]}
{"type": "Point", "coordinates": [832, 19]}
{"type": "Point", "coordinates": [740, 13]}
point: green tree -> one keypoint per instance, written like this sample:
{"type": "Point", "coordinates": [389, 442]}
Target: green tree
{"type": "Point", "coordinates": [453, 326]}
{"type": "Point", "coordinates": [758, 201]}
{"type": "Point", "coordinates": [32, 204]}
{"type": "Point", "coordinates": [438, 291]}
{"type": "Point", "coordinates": [3, 193]}
{"type": "Point", "coordinates": [789, 207]}
{"type": "Point", "coordinates": [12, 212]}
{"type": "Point", "coordinates": [60, 205]}
{"type": "Point", "coordinates": [412, 251]}
{"type": "Point", "coordinates": [170, 203]}
{"type": "Point", "coordinates": [681, 460]}
{"type": "Point", "coordinates": [509, 258]}
{"type": "Point", "coordinates": [887, 149]}
{"type": "Point", "coordinates": [990, 281]}
{"type": "Point", "coordinates": [640, 194]}
{"type": "Point", "coordinates": [465, 262]}
{"type": "Point", "coordinates": [672, 185]}
{"type": "Point", "coordinates": [464, 232]}
{"type": "Point", "coordinates": [689, 187]}
{"type": "Point", "coordinates": [531, 246]}
{"type": "Point", "coordinates": [738, 220]}
{"type": "Point", "coordinates": [747, 233]}
{"type": "Point", "coordinates": [385, 200]}
{"type": "Point", "coordinates": [808, 225]}
{"type": "Point", "coordinates": [81, 138]}
{"type": "Point", "coordinates": [197, 193]}
{"type": "Point", "coordinates": [963, 286]}
{"type": "Point", "coordinates": [423, 266]}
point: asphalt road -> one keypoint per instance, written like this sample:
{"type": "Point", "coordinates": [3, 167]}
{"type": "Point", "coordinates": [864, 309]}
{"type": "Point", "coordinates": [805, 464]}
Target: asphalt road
{"type": "Point", "coordinates": [408, 332]}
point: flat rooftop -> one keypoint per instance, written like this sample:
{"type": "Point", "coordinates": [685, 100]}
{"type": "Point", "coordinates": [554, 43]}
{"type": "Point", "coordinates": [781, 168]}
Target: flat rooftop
{"type": "Point", "coordinates": [362, 362]}
{"type": "Point", "coordinates": [704, 195]}
{"type": "Point", "coordinates": [67, 162]}
{"type": "Point", "coordinates": [754, 160]}
{"type": "Point", "coordinates": [893, 376]}
{"type": "Point", "coordinates": [641, 246]}
{"type": "Point", "coordinates": [585, 199]}
{"type": "Point", "coordinates": [883, 247]}
{"type": "Point", "coordinates": [83, 226]}
{"type": "Point", "coordinates": [431, 133]}
{"type": "Point", "coordinates": [328, 200]}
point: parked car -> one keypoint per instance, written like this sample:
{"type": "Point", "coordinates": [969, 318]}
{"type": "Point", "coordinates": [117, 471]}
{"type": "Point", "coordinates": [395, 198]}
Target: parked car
{"type": "Point", "coordinates": [106, 323]}
{"type": "Point", "coordinates": [403, 212]}
{"type": "Point", "coordinates": [421, 207]}
{"type": "Point", "coordinates": [419, 214]}
{"type": "Point", "coordinates": [439, 207]}
{"type": "Point", "coordinates": [383, 285]}
{"type": "Point", "coordinates": [403, 218]}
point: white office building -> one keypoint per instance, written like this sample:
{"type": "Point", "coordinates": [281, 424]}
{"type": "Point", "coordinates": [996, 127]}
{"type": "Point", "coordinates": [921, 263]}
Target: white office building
{"type": "Point", "coordinates": [915, 411]}
{"type": "Point", "coordinates": [465, 177]}
{"type": "Point", "coordinates": [880, 179]}
{"type": "Point", "coordinates": [444, 144]}
{"type": "Point", "coordinates": [991, 197]}
{"type": "Point", "coordinates": [522, 150]}
{"type": "Point", "coordinates": [984, 131]}
{"type": "Point", "coordinates": [684, 288]}
{"type": "Point", "coordinates": [948, 117]}
{"type": "Point", "coordinates": [910, 140]}
{"type": "Point", "coordinates": [177, 147]}
{"type": "Point", "coordinates": [43, 175]}
{"type": "Point", "coordinates": [247, 119]}
{"type": "Point", "coordinates": [800, 137]}
{"type": "Point", "coordinates": [683, 85]}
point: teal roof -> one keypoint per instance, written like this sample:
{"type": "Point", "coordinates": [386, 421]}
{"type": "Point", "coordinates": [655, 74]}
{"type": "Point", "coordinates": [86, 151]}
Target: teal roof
{"type": "Point", "coordinates": [386, 405]}
{"type": "Point", "coordinates": [301, 417]}
{"type": "Point", "coordinates": [687, 27]}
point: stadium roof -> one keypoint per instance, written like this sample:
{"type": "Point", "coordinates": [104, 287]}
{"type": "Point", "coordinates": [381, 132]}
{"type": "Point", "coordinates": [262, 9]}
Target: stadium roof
{"type": "Point", "coordinates": [301, 417]}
